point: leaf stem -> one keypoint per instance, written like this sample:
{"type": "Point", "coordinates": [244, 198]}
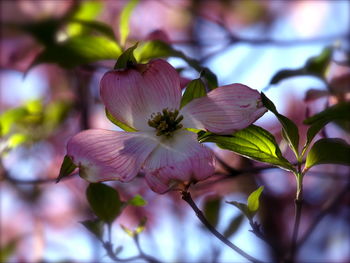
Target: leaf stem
{"type": "Point", "coordinates": [298, 207]}
{"type": "Point", "coordinates": [109, 230]}
{"type": "Point", "coordinates": [186, 196]}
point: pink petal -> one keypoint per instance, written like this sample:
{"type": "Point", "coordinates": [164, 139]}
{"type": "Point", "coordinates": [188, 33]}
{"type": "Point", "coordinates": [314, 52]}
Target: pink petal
{"type": "Point", "coordinates": [184, 82]}
{"type": "Point", "coordinates": [314, 94]}
{"type": "Point", "coordinates": [132, 95]}
{"type": "Point", "coordinates": [110, 155]}
{"type": "Point", "coordinates": [179, 159]}
{"type": "Point", "coordinates": [340, 84]}
{"type": "Point", "coordinates": [163, 85]}
{"type": "Point", "coordinates": [224, 110]}
{"type": "Point", "coordinates": [158, 34]}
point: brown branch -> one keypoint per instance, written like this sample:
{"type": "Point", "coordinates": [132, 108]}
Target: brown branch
{"type": "Point", "coordinates": [186, 196]}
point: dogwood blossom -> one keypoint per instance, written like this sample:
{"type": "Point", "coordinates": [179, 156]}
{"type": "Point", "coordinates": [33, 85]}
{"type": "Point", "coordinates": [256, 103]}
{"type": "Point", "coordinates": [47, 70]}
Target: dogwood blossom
{"type": "Point", "coordinates": [147, 99]}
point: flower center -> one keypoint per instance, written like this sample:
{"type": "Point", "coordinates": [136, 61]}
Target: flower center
{"type": "Point", "coordinates": [166, 122]}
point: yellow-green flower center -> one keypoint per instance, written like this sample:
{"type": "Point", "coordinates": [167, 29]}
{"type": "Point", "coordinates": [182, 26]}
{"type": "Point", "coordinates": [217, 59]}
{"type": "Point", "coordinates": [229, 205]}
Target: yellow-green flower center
{"type": "Point", "coordinates": [166, 122]}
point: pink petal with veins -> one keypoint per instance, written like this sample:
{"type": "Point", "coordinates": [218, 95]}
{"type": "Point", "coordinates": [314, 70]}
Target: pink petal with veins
{"type": "Point", "coordinates": [163, 85]}
{"type": "Point", "coordinates": [132, 95]}
{"type": "Point", "coordinates": [224, 110]}
{"type": "Point", "coordinates": [180, 158]}
{"type": "Point", "coordinates": [110, 155]}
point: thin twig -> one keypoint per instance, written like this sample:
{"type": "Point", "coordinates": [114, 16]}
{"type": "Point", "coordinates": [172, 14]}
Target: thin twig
{"type": "Point", "coordinates": [186, 196]}
{"type": "Point", "coordinates": [108, 246]}
{"type": "Point", "coordinates": [142, 253]}
{"type": "Point", "coordinates": [109, 249]}
{"type": "Point", "coordinates": [257, 232]}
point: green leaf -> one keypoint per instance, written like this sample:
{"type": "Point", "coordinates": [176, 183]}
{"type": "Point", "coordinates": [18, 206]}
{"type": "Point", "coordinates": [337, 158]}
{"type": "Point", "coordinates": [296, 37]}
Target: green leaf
{"type": "Point", "coordinates": [139, 229]}
{"type": "Point", "coordinates": [155, 49]}
{"type": "Point", "coordinates": [253, 200]}
{"type": "Point", "coordinates": [211, 210]}
{"type": "Point", "coordinates": [79, 50]}
{"type": "Point", "coordinates": [289, 130]}
{"type": "Point", "coordinates": [10, 117]}
{"type": "Point", "coordinates": [67, 168]}
{"type": "Point", "coordinates": [286, 73]}
{"type": "Point", "coordinates": [252, 206]}
{"type": "Point", "coordinates": [328, 151]}
{"type": "Point", "coordinates": [55, 113]}
{"type": "Point", "coordinates": [128, 231]}
{"type": "Point", "coordinates": [119, 123]}
{"type": "Point", "coordinates": [141, 226]}
{"type": "Point", "coordinates": [252, 142]}
{"type": "Point", "coordinates": [29, 113]}
{"type": "Point", "coordinates": [195, 89]}
{"type": "Point", "coordinates": [127, 58]}
{"type": "Point", "coordinates": [210, 78]}
{"type": "Point", "coordinates": [315, 66]}
{"type": "Point", "coordinates": [96, 227]}
{"type": "Point", "coordinates": [137, 200]}
{"type": "Point", "coordinates": [104, 201]}
{"type": "Point", "coordinates": [242, 207]}
{"type": "Point", "coordinates": [318, 65]}
{"type": "Point", "coordinates": [124, 20]}
{"type": "Point", "coordinates": [87, 11]}
{"type": "Point", "coordinates": [7, 250]}
{"type": "Point", "coordinates": [17, 139]}
{"type": "Point", "coordinates": [86, 26]}
{"type": "Point", "coordinates": [159, 49]}
{"type": "Point", "coordinates": [234, 225]}
{"type": "Point", "coordinates": [336, 112]}
{"type": "Point", "coordinates": [44, 31]}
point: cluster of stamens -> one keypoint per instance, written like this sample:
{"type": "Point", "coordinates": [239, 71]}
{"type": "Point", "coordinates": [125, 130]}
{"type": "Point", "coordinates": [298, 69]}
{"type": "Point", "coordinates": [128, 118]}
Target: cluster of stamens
{"type": "Point", "coordinates": [166, 122]}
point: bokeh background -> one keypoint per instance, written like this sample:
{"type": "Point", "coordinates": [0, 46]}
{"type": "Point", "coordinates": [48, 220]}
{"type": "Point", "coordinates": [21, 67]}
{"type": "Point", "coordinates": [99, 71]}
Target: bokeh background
{"type": "Point", "coordinates": [244, 41]}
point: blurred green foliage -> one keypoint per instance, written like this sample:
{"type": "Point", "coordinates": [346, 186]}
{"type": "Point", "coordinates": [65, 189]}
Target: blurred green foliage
{"type": "Point", "coordinates": [314, 66]}
{"type": "Point", "coordinates": [211, 210]}
{"type": "Point", "coordinates": [124, 20]}
{"type": "Point", "coordinates": [32, 122]}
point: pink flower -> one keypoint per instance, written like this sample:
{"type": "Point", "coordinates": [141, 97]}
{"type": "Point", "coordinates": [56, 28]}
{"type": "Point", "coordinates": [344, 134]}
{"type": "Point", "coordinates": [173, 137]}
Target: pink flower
{"type": "Point", "coordinates": [147, 98]}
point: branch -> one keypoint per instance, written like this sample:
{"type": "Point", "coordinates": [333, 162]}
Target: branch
{"type": "Point", "coordinates": [109, 249]}
{"type": "Point", "coordinates": [186, 196]}
{"type": "Point", "coordinates": [143, 254]}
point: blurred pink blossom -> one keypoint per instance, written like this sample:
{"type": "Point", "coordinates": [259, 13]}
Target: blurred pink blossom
{"type": "Point", "coordinates": [338, 79]}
